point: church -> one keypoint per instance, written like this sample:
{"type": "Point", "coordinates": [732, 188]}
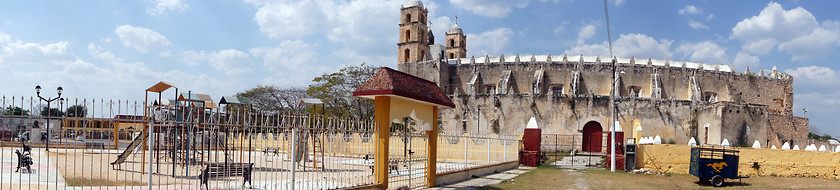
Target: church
{"type": "Point", "coordinates": [570, 94]}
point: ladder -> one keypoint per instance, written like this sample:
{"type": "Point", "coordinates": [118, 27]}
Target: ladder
{"type": "Point", "coordinates": [317, 147]}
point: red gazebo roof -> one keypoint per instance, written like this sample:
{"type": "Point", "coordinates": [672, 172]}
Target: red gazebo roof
{"type": "Point", "coordinates": [391, 82]}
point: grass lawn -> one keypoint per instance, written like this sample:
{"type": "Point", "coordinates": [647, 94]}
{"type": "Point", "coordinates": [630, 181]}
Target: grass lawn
{"type": "Point", "coordinates": [549, 177]}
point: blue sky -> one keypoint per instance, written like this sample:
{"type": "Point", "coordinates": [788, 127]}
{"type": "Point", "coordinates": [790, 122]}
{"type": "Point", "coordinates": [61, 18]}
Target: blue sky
{"type": "Point", "coordinates": [115, 49]}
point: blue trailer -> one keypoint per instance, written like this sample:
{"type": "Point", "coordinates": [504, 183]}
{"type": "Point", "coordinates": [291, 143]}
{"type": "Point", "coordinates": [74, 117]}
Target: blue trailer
{"type": "Point", "coordinates": [714, 163]}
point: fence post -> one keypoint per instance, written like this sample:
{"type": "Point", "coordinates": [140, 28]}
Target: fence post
{"type": "Point", "coordinates": [382, 114]}
{"type": "Point", "coordinates": [151, 140]}
{"type": "Point", "coordinates": [466, 151]}
{"type": "Point", "coordinates": [294, 155]}
{"type": "Point", "coordinates": [504, 151]}
{"type": "Point", "coordinates": [431, 150]}
{"type": "Point", "coordinates": [488, 150]}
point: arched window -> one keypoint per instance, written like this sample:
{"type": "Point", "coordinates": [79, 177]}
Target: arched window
{"type": "Point", "coordinates": [407, 17]}
{"type": "Point", "coordinates": [423, 55]}
{"type": "Point", "coordinates": [407, 55]}
{"type": "Point", "coordinates": [451, 42]}
{"type": "Point", "coordinates": [407, 35]}
{"type": "Point", "coordinates": [451, 56]}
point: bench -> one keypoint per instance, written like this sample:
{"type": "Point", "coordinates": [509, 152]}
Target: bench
{"type": "Point", "coordinates": [214, 170]}
{"type": "Point", "coordinates": [24, 161]}
{"type": "Point", "coordinates": [274, 150]}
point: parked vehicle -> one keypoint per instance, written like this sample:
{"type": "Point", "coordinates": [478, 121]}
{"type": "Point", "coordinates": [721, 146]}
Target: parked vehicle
{"type": "Point", "coordinates": [714, 163]}
{"type": "Point", "coordinates": [80, 138]}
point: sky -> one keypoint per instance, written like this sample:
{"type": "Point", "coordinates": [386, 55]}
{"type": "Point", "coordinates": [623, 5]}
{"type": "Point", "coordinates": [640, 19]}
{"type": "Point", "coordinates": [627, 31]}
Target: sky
{"type": "Point", "coordinates": [117, 49]}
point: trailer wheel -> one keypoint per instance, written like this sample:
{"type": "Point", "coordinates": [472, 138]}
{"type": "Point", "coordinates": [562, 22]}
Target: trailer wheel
{"type": "Point", "coordinates": [717, 181]}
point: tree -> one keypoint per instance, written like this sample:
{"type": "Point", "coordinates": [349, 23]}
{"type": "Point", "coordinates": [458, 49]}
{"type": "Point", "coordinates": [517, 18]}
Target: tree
{"type": "Point", "coordinates": [76, 111]}
{"type": "Point", "coordinates": [272, 99]}
{"type": "Point", "coordinates": [336, 91]}
{"type": "Point", "coordinates": [15, 111]}
{"type": "Point", "coordinates": [53, 112]}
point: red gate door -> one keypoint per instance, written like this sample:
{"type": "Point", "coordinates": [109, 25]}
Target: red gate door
{"type": "Point", "coordinates": [592, 137]}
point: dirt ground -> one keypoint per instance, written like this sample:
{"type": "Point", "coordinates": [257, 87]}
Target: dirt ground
{"type": "Point", "coordinates": [548, 177]}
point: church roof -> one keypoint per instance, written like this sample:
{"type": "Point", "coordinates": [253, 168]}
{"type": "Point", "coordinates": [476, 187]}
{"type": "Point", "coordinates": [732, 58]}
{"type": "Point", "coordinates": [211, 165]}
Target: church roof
{"type": "Point", "coordinates": [455, 30]}
{"type": "Point", "coordinates": [411, 3]}
{"type": "Point", "coordinates": [391, 82]}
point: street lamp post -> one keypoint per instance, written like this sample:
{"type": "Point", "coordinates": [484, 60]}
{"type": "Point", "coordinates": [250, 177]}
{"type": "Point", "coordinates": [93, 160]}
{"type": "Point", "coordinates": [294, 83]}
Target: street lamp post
{"type": "Point", "coordinates": [60, 125]}
{"type": "Point", "coordinates": [38, 92]}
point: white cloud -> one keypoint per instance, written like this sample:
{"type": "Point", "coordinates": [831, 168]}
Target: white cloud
{"type": "Point", "coordinates": [439, 26]}
{"type": "Point", "coordinates": [697, 25]}
{"type": "Point", "coordinates": [627, 45]}
{"type": "Point", "coordinates": [490, 8]}
{"type": "Point", "coordinates": [816, 89]}
{"type": "Point", "coordinates": [18, 52]}
{"type": "Point", "coordinates": [761, 47]}
{"type": "Point", "coordinates": [803, 47]}
{"type": "Point", "coordinates": [289, 55]}
{"type": "Point", "coordinates": [100, 53]}
{"type": "Point", "coordinates": [161, 6]}
{"type": "Point", "coordinates": [710, 17]}
{"type": "Point", "coordinates": [794, 31]}
{"type": "Point", "coordinates": [815, 75]}
{"type": "Point", "coordinates": [705, 52]}
{"type": "Point", "coordinates": [230, 61]}
{"type": "Point", "coordinates": [585, 33]}
{"type": "Point", "coordinates": [490, 42]}
{"type": "Point", "coordinates": [362, 24]}
{"type": "Point", "coordinates": [558, 29]}
{"type": "Point", "coordinates": [142, 39]}
{"type": "Point", "coordinates": [618, 2]}
{"type": "Point", "coordinates": [689, 9]}
{"type": "Point", "coordinates": [744, 60]}
{"type": "Point", "coordinates": [292, 19]}
{"type": "Point", "coordinates": [193, 58]}
{"type": "Point", "coordinates": [293, 58]}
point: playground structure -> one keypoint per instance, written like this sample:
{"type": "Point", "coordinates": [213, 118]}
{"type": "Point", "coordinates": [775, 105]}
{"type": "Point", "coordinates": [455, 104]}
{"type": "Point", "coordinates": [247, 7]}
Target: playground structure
{"type": "Point", "coordinates": [187, 141]}
{"type": "Point", "coordinates": [192, 131]}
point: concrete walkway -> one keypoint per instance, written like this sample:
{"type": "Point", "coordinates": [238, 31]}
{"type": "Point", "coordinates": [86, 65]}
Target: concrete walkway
{"type": "Point", "coordinates": [486, 180]}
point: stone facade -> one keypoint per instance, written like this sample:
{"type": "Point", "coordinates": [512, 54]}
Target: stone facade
{"type": "Point", "coordinates": [673, 99]}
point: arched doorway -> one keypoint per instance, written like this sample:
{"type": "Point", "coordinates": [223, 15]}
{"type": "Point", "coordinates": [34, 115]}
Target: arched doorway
{"type": "Point", "coordinates": [592, 137]}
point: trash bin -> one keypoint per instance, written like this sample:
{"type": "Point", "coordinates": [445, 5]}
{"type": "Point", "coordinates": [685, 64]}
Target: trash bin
{"type": "Point", "coordinates": [629, 157]}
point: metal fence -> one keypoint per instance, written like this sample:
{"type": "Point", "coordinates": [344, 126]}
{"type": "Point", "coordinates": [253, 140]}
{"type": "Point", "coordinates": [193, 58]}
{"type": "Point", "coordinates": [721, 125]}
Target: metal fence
{"type": "Point", "coordinates": [461, 152]}
{"type": "Point", "coordinates": [118, 144]}
{"type": "Point", "coordinates": [564, 150]}
{"type": "Point", "coordinates": [176, 146]}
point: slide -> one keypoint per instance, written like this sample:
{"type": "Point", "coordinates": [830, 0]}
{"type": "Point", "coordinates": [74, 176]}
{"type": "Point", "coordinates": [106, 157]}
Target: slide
{"type": "Point", "coordinates": [131, 147]}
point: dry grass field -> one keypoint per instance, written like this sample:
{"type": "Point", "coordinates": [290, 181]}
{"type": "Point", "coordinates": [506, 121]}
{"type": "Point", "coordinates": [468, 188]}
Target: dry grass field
{"type": "Point", "coordinates": [548, 177]}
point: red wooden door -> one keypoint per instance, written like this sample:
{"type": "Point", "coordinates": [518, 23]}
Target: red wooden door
{"type": "Point", "coordinates": [592, 137]}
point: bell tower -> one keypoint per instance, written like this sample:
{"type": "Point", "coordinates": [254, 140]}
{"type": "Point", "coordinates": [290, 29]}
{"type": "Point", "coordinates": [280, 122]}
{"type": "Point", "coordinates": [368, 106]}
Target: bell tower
{"type": "Point", "coordinates": [413, 43]}
{"type": "Point", "coordinates": [456, 42]}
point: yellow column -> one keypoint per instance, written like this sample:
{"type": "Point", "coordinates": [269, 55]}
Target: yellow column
{"type": "Point", "coordinates": [382, 114]}
{"type": "Point", "coordinates": [431, 150]}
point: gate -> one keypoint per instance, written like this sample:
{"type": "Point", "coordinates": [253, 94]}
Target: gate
{"type": "Point", "coordinates": [407, 160]}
